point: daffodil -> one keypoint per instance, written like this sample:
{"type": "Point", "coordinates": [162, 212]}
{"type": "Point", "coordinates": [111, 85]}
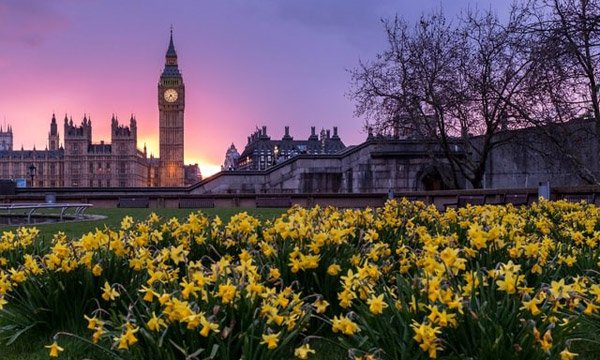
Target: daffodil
{"type": "Point", "coordinates": [271, 340]}
{"type": "Point", "coordinates": [108, 292]}
{"type": "Point", "coordinates": [54, 349]}
{"type": "Point", "coordinates": [344, 325]}
{"type": "Point", "coordinates": [320, 306]}
{"type": "Point", "coordinates": [128, 337]}
{"type": "Point", "coordinates": [303, 351]}
{"type": "Point", "coordinates": [226, 292]}
{"type": "Point", "coordinates": [155, 323]}
{"type": "Point", "coordinates": [376, 304]}
{"type": "Point", "coordinates": [333, 269]}
{"type": "Point", "coordinates": [567, 355]}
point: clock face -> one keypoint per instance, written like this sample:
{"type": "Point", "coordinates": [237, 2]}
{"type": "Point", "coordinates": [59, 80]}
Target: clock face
{"type": "Point", "coordinates": [170, 95]}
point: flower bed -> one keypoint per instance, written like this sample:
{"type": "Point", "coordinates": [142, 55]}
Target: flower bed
{"type": "Point", "coordinates": [402, 281]}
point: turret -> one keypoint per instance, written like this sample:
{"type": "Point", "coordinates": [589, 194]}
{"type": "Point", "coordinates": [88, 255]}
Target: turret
{"type": "Point", "coordinates": [6, 139]}
{"type": "Point", "coordinates": [53, 137]}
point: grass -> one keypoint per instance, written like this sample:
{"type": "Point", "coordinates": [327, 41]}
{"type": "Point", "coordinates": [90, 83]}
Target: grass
{"type": "Point", "coordinates": [32, 348]}
{"type": "Point", "coordinates": [115, 215]}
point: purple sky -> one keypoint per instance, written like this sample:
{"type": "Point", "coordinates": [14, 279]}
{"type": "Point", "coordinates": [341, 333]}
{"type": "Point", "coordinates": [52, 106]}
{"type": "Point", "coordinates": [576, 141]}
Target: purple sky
{"type": "Point", "coordinates": [245, 64]}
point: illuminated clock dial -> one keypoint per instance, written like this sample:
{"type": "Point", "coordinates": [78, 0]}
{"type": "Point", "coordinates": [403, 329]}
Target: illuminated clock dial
{"type": "Point", "coordinates": [170, 95]}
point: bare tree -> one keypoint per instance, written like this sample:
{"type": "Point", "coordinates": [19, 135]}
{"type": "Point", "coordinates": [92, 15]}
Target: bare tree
{"type": "Point", "coordinates": [453, 83]}
{"type": "Point", "coordinates": [564, 84]}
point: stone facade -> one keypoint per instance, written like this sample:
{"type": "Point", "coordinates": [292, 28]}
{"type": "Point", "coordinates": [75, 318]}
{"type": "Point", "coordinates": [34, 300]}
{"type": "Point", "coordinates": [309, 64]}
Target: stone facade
{"type": "Point", "coordinates": [119, 163]}
{"type": "Point", "coordinates": [6, 139]}
{"type": "Point", "coordinates": [261, 152]}
{"type": "Point", "coordinates": [527, 157]}
{"type": "Point", "coordinates": [171, 106]}
{"type": "Point", "coordinates": [232, 157]}
{"type": "Point", "coordinates": [116, 164]}
{"type": "Point", "coordinates": [376, 165]}
{"type": "Point", "coordinates": [524, 158]}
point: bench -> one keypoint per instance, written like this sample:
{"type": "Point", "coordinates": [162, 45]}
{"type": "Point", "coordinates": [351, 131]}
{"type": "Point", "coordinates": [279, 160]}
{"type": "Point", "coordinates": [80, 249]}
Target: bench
{"type": "Point", "coordinates": [576, 198]}
{"type": "Point", "coordinates": [273, 202]}
{"type": "Point", "coordinates": [138, 202]}
{"type": "Point", "coordinates": [516, 199]}
{"type": "Point", "coordinates": [196, 203]}
{"type": "Point", "coordinates": [464, 200]}
{"type": "Point", "coordinates": [31, 208]}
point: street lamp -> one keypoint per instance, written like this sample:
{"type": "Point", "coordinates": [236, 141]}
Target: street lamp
{"type": "Point", "coordinates": [31, 172]}
{"type": "Point", "coordinates": [275, 154]}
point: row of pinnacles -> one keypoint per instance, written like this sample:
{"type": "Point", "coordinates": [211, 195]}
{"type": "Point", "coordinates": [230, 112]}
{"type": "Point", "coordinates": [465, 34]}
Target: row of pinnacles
{"type": "Point", "coordinates": [82, 134]}
{"type": "Point", "coordinates": [6, 138]}
{"type": "Point", "coordinates": [262, 152]}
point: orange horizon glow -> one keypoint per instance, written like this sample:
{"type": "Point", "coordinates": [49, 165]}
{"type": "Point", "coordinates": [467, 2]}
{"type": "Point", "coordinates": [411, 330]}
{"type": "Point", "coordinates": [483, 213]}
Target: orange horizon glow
{"type": "Point", "coordinates": [244, 65]}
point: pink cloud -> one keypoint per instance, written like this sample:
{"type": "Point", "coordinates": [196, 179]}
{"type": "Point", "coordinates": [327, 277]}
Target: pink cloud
{"type": "Point", "coordinates": [29, 21]}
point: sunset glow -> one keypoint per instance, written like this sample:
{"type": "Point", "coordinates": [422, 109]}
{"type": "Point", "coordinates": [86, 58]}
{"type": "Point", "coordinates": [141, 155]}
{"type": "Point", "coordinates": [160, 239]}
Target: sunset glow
{"type": "Point", "coordinates": [245, 64]}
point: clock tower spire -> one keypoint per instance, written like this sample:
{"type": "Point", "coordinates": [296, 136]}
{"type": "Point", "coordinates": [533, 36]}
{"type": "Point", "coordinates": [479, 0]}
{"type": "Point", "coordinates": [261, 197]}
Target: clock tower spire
{"type": "Point", "coordinates": [171, 105]}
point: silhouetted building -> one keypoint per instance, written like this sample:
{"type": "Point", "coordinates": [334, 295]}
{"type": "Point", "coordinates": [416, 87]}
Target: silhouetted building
{"type": "Point", "coordinates": [82, 163]}
{"type": "Point", "coordinates": [192, 174]}
{"type": "Point", "coordinates": [232, 157]}
{"type": "Point", "coordinates": [171, 105]}
{"type": "Point", "coordinates": [261, 152]}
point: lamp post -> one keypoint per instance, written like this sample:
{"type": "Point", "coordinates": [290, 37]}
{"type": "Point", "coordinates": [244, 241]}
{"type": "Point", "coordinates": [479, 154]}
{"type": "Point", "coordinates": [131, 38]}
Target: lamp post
{"type": "Point", "coordinates": [275, 154]}
{"type": "Point", "coordinates": [31, 172]}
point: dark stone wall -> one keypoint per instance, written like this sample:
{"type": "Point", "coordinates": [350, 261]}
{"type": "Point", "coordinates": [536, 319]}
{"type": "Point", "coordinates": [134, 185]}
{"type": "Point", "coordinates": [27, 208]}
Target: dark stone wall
{"type": "Point", "coordinates": [563, 155]}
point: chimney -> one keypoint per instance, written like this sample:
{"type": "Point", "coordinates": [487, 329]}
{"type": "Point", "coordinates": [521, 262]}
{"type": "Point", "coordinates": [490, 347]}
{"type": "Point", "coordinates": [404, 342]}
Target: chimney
{"type": "Point", "coordinates": [312, 131]}
{"type": "Point", "coordinates": [264, 130]}
{"type": "Point", "coordinates": [287, 131]}
{"type": "Point", "coordinates": [335, 134]}
{"type": "Point", "coordinates": [328, 133]}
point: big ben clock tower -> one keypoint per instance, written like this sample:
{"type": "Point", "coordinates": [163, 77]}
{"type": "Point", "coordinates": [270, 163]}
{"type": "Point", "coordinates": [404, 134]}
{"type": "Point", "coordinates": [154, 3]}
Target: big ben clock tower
{"type": "Point", "coordinates": [171, 103]}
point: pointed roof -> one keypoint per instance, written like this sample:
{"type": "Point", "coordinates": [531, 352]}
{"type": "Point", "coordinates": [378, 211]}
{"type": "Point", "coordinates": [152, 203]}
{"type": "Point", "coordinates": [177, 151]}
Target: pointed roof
{"type": "Point", "coordinates": [171, 69]}
{"type": "Point", "coordinates": [171, 50]}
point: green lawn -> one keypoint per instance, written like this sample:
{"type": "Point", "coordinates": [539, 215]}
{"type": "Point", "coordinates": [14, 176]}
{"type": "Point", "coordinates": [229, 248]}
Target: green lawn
{"type": "Point", "coordinates": [115, 215]}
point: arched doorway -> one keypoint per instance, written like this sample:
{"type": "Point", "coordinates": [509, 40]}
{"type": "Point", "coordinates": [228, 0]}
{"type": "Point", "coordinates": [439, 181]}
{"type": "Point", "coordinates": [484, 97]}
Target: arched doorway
{"type": "Point", "coordinates": [433, 181]}
{"type": "Point", "coordinates": [430, 178]}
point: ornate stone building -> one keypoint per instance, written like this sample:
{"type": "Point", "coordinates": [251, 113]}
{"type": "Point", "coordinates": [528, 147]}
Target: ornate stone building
{"type": "Point", "coordinates": [119, 163]}
{"type": "Point", "coordinates": [261, 152]}
{"type": "Point", "coordinates": [116, 164]}
{"type": "Point", "coordinates": [232, 157]}
{"type": "Point", "coordinates": [171, 104]}
{"type": "Point", "coordinates": [6, 139]}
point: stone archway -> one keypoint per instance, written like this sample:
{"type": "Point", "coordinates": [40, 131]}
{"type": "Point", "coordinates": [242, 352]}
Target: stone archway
{"type": "Point", "coordinates": [430, 178]}
{"type": "Point", "coordinates": [433, 181]}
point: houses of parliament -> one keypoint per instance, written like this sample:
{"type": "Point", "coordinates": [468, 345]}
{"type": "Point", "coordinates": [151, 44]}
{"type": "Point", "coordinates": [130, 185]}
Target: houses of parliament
{"type": "Point", "coordinates": [82, 163]}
